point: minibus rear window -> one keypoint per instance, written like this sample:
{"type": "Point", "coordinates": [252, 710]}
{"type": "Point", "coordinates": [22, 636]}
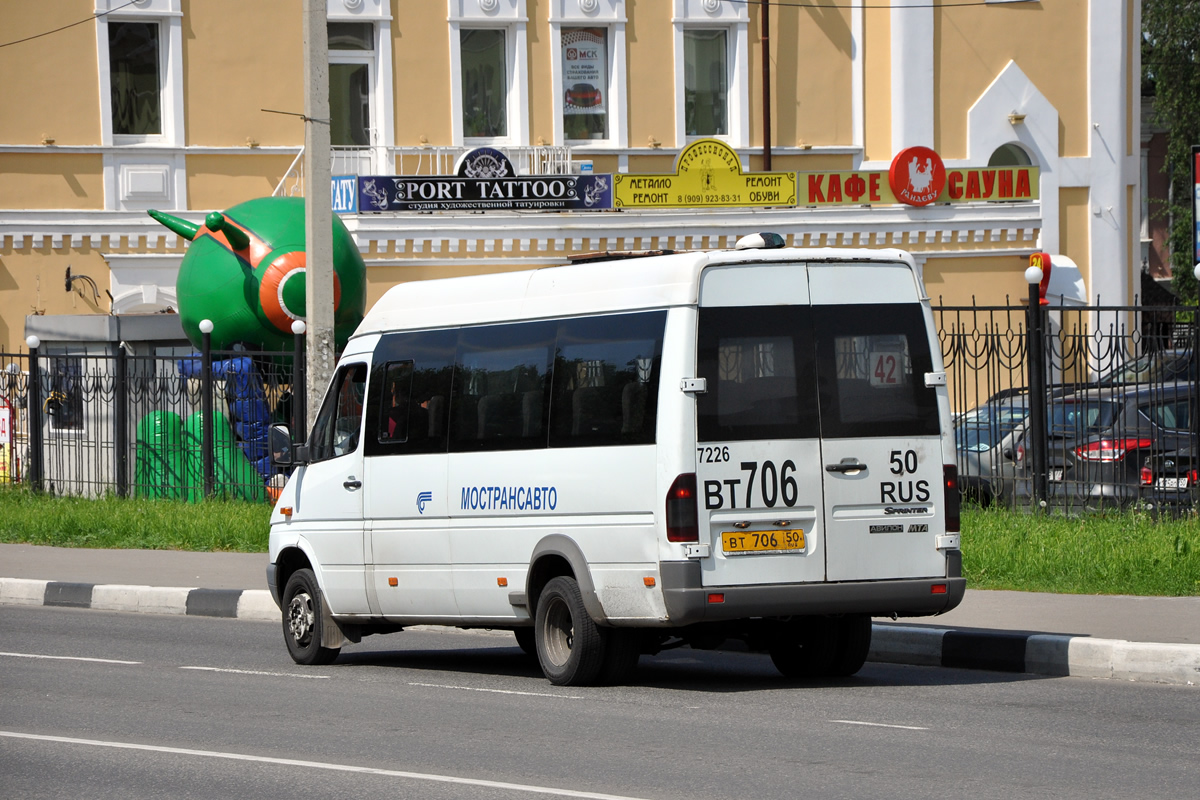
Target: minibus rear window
{"type": "Point", "coordinates": [872, 360]}
{"type": "Point", "coordinates": [758, 365]}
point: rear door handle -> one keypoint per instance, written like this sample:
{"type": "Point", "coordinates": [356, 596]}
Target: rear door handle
{"type": "Point", "coordinates": [846, 465]}
{"type": "Point", "coordinates": [352, 484]}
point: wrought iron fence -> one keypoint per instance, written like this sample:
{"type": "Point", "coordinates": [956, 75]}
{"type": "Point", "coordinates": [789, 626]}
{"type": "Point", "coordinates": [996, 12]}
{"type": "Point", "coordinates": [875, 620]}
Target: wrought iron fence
{"type": "Point", "coordinates": [1116, 424]}
{"type": "Point", "coordinates": [136, 425]}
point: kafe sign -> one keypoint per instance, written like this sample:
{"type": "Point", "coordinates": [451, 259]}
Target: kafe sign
{"type": "Point", "coordinates": [918, 177]}
{"type": "Point", "coordinates": [484, 181]}
{"type": "Point", "coordinates": [708, 174]}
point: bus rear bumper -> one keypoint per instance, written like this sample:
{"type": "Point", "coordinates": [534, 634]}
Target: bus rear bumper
{"type": "Point", "coordinates": [688, 601]}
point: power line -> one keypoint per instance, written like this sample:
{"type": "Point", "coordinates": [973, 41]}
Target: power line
{"type": "Point", "coordinates": [64, 27]}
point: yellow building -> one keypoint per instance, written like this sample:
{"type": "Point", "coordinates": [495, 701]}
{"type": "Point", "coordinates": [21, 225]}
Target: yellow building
{"type": "Point", "coordinates": [170, 104]}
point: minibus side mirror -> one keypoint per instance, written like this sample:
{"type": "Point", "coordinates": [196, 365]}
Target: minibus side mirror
{"type": "Point", "coordinates": [283, 452]}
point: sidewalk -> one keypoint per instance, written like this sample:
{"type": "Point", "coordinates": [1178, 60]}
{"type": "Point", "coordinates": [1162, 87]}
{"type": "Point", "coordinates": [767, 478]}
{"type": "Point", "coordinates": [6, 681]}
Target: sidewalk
{"type": "Point", "coordinates": [1140, 638]}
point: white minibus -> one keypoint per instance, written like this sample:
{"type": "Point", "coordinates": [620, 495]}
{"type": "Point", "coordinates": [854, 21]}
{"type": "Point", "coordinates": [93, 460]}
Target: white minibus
{"type": "Point", "coordinates": [629, 453]}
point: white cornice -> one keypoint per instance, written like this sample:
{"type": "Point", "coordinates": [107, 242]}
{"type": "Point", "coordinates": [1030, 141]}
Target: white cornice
{"type": "Point", "coordinates": [981, 228]}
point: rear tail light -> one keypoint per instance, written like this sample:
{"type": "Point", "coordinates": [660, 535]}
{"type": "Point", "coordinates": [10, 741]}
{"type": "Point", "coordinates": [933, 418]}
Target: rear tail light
{"type": "Point", "coordinates": [950, 482]}
{"type": "Point", "coordinates": [1193, 475]}
{"type": "Point", "coordinates": [682, 520]}
{"type": "Point", "coordinates": [1110, 449]}
{"type": "Point", "coordinates": [1020, 453]}
{"type": "Point", "coordinates": [1147, 476]}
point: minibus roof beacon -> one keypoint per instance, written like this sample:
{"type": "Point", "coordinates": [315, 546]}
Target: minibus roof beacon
{"type": "Point", "coordinates": [760, 241]}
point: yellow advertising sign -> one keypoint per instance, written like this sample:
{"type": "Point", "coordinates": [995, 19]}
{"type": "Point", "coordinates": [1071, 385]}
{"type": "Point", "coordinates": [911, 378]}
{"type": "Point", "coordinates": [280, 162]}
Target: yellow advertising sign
{"type": "Point", "coordinates": [708, 174]}
{"type": "Point", "coordinates": [871, 187]}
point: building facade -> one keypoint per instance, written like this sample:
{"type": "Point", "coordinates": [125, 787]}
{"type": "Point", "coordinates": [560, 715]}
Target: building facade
{"type": "Point", "coordinates": [176, 105]}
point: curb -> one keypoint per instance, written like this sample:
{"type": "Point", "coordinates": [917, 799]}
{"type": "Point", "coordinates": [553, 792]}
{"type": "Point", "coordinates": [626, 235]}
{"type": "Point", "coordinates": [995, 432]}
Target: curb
{"type": "Point", "coordinates": [1036, 654]}
{"type": "Point", "coordinates": [997, 651]}
{"type": "Point", "coordinates": [255, 604]}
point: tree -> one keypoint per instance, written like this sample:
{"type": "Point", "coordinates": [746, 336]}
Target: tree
{"type": "Point", "coordinates": [1171, 74]}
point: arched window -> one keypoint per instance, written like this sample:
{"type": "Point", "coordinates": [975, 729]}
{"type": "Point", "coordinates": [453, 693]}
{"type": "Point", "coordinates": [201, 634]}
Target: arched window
{"type": "Point", "coordinates": [1010, 155]}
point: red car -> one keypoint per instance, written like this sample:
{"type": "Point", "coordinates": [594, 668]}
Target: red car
{"type": "Point", "coordinates": [583, 95]}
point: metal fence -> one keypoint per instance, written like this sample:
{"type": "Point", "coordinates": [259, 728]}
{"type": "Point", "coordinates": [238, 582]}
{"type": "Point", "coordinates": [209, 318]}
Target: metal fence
{"type": "Point", "coordinates": [1116, 426]}
{"type": "Point", "coordinates": [136, 425]}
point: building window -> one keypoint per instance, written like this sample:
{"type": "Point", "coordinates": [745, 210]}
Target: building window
{"type": "Point", "coordinates": [484, 82]}
{"type": "Point", "coordinates": [351, 64]}
{"type": "Point", "coordinates": [1010, 155]}
{"type": "Point", "coordinates": [135, 78]}
{"type": "Point", "coordinates": [586, 95]}
{"type": "Point", "coordinates": [706, 82]}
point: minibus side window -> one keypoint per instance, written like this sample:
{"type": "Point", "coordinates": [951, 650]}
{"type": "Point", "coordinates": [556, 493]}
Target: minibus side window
{"type": "Point", "coordinates": [872, 360]}
{"type": "Point", "coordinates": [500, 394]}
{"type": "Point", "coordinates": [606, 372]}
{"type": "Point", "coordinates": [409, 402]}
{"type": "Point", "coordinates": [758, 365]}
{"type": "Point", "coordinates": [395, 408]}
{"type": "Point", "coordinates": [336, 430]}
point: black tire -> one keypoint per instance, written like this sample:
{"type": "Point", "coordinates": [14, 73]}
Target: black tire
{"type": "Point", "coordinates": [302, 620]}
{"type": "Point", "coordinates": [526, 640]}
{"type": "Point", "coordinates": [805, 647]}
{"type": "Point", "coordinates": [622, 649]}
{"type": "Point", "coordinates": [570, 647]}
{"type": "Point", "coordinates": [854, 642]}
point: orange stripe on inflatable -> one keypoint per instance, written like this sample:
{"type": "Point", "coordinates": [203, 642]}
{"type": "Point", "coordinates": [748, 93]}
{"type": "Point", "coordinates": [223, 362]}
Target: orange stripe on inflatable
{"type": "Point", "coordinates": [270, 289]}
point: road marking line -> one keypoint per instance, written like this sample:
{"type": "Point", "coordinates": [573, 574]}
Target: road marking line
{"type": "Point", "coordinates": [291, 762]}
{"type": "Point", "coordinates": [260, 672]}
{"type": "Point", "coordinates": [497, 691]}
{"type": "Point", "coordinates": [69, 658]}
{"type": "Point", "coordinates": [879, 725]}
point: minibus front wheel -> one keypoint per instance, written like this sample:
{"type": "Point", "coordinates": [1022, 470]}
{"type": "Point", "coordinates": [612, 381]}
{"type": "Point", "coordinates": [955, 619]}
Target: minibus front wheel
{"type": "Point", "coordinates": [302, 620]}
{"type": "Point", "coordinates": [570, 647]}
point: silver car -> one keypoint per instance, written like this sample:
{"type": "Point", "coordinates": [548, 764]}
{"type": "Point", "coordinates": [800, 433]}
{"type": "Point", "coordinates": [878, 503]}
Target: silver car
{"type": "Point", "coordinates": [986, 447]}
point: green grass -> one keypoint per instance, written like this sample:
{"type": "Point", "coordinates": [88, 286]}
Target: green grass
{"type": "Point", "coordinates": [112, 523]}
{"type": "Point", "coordinates": [1117, 553]}
{"type": "Point", "coordinates": [1125, 553]}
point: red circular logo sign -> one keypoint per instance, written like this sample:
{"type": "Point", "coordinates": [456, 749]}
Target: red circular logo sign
{"type": "Point", "coordinates": [917, 176]}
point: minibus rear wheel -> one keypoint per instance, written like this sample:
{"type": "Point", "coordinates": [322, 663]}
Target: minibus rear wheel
{"type": "Point", "coordinates": [805, 647]}
{"type": "Point", "coordinates": [302, 620]}
{"type": "Point", "coordinates": [854, 642]}
{"type": "Point", "coordinates": [569, 645]}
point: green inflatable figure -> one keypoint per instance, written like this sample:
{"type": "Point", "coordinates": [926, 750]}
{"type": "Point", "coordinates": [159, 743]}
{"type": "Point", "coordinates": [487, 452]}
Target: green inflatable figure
{"type": "Point", "coordinates": [245, 271]}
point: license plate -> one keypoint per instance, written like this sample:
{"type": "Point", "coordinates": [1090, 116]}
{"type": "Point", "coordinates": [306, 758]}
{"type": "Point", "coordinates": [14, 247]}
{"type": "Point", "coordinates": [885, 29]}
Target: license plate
{"type": "Point", "coordinates": [736, 543]}
{"type": "Point", "coordinates": [1171, 483]}
{"type": "Point", "coordinates": [1056, 474]}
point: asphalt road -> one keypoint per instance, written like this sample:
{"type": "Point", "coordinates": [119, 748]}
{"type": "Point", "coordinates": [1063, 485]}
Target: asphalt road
{"type": "Point", "coordinates": [211, 708]}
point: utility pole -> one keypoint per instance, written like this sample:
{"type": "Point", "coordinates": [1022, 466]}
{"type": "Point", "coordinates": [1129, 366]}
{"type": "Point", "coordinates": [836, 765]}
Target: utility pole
{"type": "Point", "coordinates": [318, 211]}
{"type": "Point", "coordinates": [765, 10]}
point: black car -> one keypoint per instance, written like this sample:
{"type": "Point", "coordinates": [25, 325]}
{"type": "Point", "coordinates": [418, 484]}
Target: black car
{"type": "Point", "coordinates": [1100, 440]}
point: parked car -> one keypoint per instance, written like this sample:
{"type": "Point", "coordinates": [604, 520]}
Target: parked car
{"type": "Point", "coordinates": [1157, 366]}
{"type": "Point", "coordinates": [985, 446]}
{"type": "Point", "coordinates": [1099, 440]}
{"type": "Point", "coordinates": [1169, 479]}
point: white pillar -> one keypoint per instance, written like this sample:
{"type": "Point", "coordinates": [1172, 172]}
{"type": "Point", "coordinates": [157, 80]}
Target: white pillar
{"type": "Point", "coordinates": [912, 74]}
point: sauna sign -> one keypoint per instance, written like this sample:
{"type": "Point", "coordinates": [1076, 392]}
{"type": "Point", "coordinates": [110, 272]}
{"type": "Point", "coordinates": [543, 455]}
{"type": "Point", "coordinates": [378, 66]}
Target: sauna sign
{"type": "Point", "coordinates": [918, 177]}
{"type": "Point", "coordinates": [484, 180]}
{"type": "Point", "coordinates": [708, 174]}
